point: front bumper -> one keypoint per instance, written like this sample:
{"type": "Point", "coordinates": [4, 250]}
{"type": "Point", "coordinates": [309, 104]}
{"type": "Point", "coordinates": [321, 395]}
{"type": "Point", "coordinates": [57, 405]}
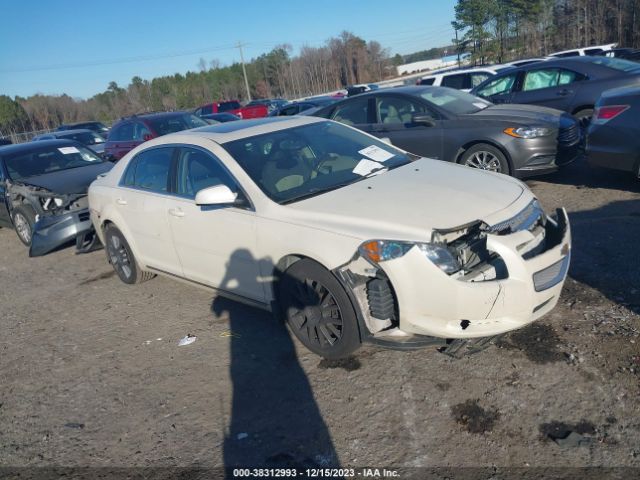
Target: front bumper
{"type": "Point", "coordinates": [432, 303]}
{"type": "Point", "coordinates": [543, 155]}
{"type": "Point", "coordinates": [51, 232]}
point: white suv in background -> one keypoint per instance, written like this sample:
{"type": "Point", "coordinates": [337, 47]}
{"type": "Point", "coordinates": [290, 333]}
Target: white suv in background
{"type": "Point", "coordinates": [464, 80]}
{"type": "Point", "coordinates": [576, 52]}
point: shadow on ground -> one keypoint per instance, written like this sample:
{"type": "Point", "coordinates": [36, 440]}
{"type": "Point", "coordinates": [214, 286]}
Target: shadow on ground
{"type": "Point", "coordinates": [275, 420]}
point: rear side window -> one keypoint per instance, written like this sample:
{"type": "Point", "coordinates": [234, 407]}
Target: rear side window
{"type": "Point", "coordinates": [198, 170]}
{"type": "Point", "coordinates": [122, 133]}
{"type": "Point", "coordinates": [206, 110]}
{"type": "Point", "coordinates": [593, 51]}
{"type": "Point", "coordinates": [547, 78]}
{"type": "Point", "coordinates": [427, 81]}
{"type": "Point", "coordinates": [478, 78]}
{"type": "Point", "coordinates": [149, 170]}
{"type": "Point", "coordinates": [225, 106]}
{"type": "Point", "coordinates": [352, 113]}
{"type": "Point", "coordinates": [459, 81]}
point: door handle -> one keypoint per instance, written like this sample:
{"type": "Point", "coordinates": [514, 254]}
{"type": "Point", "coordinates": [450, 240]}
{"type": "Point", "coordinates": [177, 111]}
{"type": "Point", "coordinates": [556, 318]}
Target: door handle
{"type": "Point", "coordinates": [121, 201]}
{"type": "Point", "coordinates": [564, 92]}
{"type": "Point", "coordinates": [176, 212]}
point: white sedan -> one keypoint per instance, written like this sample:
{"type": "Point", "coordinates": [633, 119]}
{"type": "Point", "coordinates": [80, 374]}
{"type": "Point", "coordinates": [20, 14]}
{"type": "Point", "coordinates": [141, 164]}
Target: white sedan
{"type": "Point", "coordinates": [349, 238]}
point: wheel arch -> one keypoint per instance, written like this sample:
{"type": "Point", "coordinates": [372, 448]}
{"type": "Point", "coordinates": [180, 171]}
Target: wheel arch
{"type": "Point", "coordinates": [487, 141]}
{"type": "Point", "coordinates": [582, 107]}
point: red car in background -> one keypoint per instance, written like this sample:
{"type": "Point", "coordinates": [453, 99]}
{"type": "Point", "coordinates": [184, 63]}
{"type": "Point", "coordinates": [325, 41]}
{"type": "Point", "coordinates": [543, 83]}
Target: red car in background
{"type": "Point", "coordinates": [234, 107]}
{"type": "Point", "coordinates": [129, 132]}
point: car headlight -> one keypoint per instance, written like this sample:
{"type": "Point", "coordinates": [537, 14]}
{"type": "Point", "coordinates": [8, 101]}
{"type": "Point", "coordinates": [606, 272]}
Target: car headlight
{"type": "Point", "coordinates": [377, 251]}
{"type": "Point", "coordinates": [527, 132]}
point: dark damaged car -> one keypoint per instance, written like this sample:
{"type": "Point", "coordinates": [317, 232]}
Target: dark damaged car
{"type": "Point", "coordinates": [43, 186]}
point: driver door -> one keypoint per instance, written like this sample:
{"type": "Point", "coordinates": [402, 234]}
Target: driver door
{"type": "Point", "coordinates": [215, 245]}
{"type": "Point", "coordinates": [394, 115]}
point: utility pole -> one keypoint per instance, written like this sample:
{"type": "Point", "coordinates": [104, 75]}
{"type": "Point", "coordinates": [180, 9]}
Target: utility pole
{"type": "Point", "coordinates": [244, 71]}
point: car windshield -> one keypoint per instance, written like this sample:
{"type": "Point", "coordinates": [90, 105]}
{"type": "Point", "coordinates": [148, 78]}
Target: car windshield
{"type": "Point", "coordinates": [86, 138]}
{"type": "Point", "coordinates": [175, 123]}
{"type": "Point", "coordinates": [305, 161]}
{"type": "Point", "coordinates": [455, 101]}
{"type": "Point", "coordinates": [40, 161]}
{"type": "Point", "coordinates": [616, 63]}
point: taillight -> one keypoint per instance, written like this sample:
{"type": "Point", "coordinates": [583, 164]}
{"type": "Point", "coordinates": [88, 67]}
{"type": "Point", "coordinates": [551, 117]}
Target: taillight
{"type": "Point", "coordinates": [605, 113]}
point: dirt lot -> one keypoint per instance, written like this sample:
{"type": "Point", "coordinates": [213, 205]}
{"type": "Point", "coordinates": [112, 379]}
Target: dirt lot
{"type": "Point", "coordinates": [91, 373]}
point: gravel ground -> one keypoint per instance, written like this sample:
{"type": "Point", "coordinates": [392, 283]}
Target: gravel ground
{"type": "Point", "coordinates": [91, 373]}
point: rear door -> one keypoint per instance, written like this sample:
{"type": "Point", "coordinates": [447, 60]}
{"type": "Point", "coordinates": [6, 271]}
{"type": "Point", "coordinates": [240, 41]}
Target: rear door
{"type": "Point", "coordinates": [394, 120]}
{"type": "Point", "coordinates": [142, 201]}
{"type": "Point", "coordinates": [548, 87]}
{"type": "Point", "coordinates": [214, 244]}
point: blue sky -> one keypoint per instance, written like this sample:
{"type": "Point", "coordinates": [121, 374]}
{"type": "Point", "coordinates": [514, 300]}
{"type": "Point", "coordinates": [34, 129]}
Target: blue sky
{"type": "Point", "coordinates": [78, 47]}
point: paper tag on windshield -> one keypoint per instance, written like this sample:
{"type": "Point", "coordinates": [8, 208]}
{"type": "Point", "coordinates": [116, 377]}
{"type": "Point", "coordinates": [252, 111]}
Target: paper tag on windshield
{"type": "Point", "coordinates": [376, 153]}
{"type": "Point", "coordinates": [480, 104]}
{"type": "Point", "coordinates": [365, 167]}
{"type": "Point", "coordinates": [68, 150]}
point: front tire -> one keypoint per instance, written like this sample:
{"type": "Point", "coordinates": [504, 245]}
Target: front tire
{"type": "Point", "coordinates": [24, 218]}
{"type": "Point", "coordinates": [121, 257]}
{"type": "Point", "coordinates": [485, 157]}
{"type": "Point", "coordinates": [318, 310]}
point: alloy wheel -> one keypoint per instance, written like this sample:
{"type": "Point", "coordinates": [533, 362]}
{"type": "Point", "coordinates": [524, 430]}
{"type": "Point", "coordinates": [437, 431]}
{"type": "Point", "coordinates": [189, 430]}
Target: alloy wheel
{"type": "Point", "coordinates": [484, 161]}
{"type": "Point", "coordinates": [22, 228]}
{"type": "Point", "coordinates": [315, 314]}
{"type": "Point", "coordinates": [119, 256]}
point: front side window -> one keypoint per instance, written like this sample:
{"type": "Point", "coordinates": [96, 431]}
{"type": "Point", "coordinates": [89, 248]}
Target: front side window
{"type": "Point", "coordinates": [352, 113]}
{"type": "Point", "coordinates": [427, 81]}
{"type": "Point", "coordinates": [40, 161]}
{"type": "Point", "coordinates": [295, 163]}
{"type": "Point", "coordinates": [198, 170]}
{"type": "Point", "coordinates": [498, 86]}
{"type": "Point", "coordinates": [149, 170]}
{"type": "Point", "coordinates": [397, 109]}
{"type": "Point", "coordinates": [122, 133]}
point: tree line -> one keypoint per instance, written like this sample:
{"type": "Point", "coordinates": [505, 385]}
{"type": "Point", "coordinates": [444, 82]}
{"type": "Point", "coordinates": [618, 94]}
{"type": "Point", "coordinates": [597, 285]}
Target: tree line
{"type": "Point", "coordinates": [342, 60]}
{"type": "Point", "coordinates": [501, 30]}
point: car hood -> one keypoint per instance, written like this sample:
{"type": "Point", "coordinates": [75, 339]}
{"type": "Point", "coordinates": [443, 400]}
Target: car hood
{"type": "Point", "coordinates": [411, 201]}
{"type": "Point", "coordinates": [70, 181]}
{"type": "Point", "coordinates": [525, 114]}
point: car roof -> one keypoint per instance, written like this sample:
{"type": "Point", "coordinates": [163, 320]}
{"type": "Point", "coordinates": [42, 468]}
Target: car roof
{"type": "Point", "coordinates": [88, 122]}
{"type": "Point", "coordinates": [69, 132]}
{"type": "Point", "coordinates": [230, 131]}
{"type": "Point", "coordinates": [463, 70]}
{"type": "Point", "coordinates": [26, 147]}
{"type": "Point", "coordinates": [151, 116]}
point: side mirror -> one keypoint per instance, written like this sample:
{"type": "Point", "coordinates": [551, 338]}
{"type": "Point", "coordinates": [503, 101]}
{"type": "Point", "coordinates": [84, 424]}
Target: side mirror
{"type": "Point", "coordinates": [424, 119]}
{"type": "Point", "coordinates": [146, 137]}
{"type": "Point", "coordinates": [218, 195]}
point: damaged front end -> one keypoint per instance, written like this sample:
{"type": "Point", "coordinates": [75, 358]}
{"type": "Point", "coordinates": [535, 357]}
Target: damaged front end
{"type": "Point", "coordinates": [59, 218]}
{"type": "Point", "coordinates": [496, 278]}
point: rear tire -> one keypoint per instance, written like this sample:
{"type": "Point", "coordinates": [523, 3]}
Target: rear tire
{"type": "Point", "coordinates": [121, 257]}
{"type": "Point", "coordinates": [24, 217]}
{"type": "Point", "coordinates": [318, 310]}
{"type": "Point", "coordinates": [485, 157]}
